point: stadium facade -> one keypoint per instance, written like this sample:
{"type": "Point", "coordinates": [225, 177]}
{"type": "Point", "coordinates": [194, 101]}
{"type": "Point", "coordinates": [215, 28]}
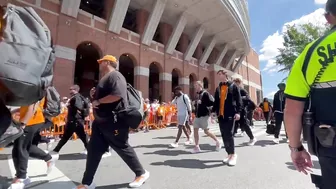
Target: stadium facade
{"type": "Point", "coordinates": [160, 43]}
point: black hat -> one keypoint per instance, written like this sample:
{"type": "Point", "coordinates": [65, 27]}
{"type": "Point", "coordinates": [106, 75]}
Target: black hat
{"type": "Point", "coordinates": [281, 85]}
{"type": "Point", "coordinates": [331, 7]}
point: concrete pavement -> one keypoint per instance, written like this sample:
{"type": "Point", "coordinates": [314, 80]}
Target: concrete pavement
{"type": "Point", "coordinates": [262, 166]}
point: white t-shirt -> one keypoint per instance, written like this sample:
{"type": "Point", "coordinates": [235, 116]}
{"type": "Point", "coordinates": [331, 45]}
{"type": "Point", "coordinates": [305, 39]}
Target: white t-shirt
{"type": "Point", "coordinates": [183, 104]}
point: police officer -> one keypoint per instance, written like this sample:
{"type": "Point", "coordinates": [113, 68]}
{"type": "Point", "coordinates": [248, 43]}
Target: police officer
{"type": "Point", "coordinates": [313, 74]}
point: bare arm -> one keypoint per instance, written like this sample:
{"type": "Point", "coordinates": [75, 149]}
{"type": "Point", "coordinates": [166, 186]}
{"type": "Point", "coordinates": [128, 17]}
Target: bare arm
{"type": "Point", "coordinates": [293, 122]}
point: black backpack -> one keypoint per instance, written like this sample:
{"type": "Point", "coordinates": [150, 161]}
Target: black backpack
{"type": "Point", "coordinates": [251, 105]}
{"type": "Point", "coordinates": [85, 111]}
{"type": "Point", "coordinates": [133, 113]}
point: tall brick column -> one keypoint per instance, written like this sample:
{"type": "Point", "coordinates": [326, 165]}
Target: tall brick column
{"type": "Point", "coordinates": [141, 19]}
{"type": "Point", "coordinates": [166, 86]}
{"type": "Point", "coordinates": [184, 83]}
{"type": "Point", "coordinates": [141, 80]}
{"type": "Point", "coordinates": [66, 54]}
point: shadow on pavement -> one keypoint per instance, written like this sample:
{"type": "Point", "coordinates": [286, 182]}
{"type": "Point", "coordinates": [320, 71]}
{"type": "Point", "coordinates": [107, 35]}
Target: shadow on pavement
{"type": "Point", "coordinates": [261, 143]}
{"type": "Point", "coordinates": [113, 186]}
{"type": "Point", "coordinates": [72, 156]}
{"type": "Point", "coordinates": [166, 137]}
{"type": "Point", "coordinates": [4, 182]}
{"type": "Point", "coordinates": [168, 152]}
{"type": "Point", "coordinates": [190, 163]}
{"type": "Point", "coordinates": [152, 146]}
{"type": "Point", "coordinates": [204, 147]}
{"type": "Point", "coordinates": [291, 166]}
{"type": "Point", "coordinates": [56, 184]}
{"type": "Point", "coordinates": [4, 157]}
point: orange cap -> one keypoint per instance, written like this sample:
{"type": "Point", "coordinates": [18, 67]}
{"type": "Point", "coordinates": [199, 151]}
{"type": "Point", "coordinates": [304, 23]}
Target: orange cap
{"type": "Point", "coordinates": [107, 58]}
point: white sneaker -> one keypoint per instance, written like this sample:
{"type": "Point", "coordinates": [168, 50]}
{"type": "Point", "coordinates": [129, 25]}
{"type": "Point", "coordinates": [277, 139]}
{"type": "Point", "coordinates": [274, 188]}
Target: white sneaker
{"type": "Point", "coordinates": [233, 160]}
{"type": "Point", "coordinates": [196, 150]}
{"type": "Point", "coordinates": [51, 163]}
{"type": "Point", "coordinates": [19, 183]}
{"type": "Point", "coordinates": [54, 155]}
{"type": "Point", "coordinates": [218, 146]}
{"type": "Point", "coordinates": [226, 160]}
{"type": "Point", "coordinates": [276, 141]}
{"type": "Point", "coordinates": [92, 186]}
{"type": "Point", "coordinates": [241, 134]}
{"type": "Point", "coordinates": [252, 142]}
{"type": "Point", "coordinates": [173, 145]}
{"type": "Point", "coordinates": [49, 146]}
{"type": "Point", "coordinates": [106, 154]}
{"type": "Point", "coordinates": [139, 181]}
{"type": "Point", "coordinates": [84, 152]}
{"type": "Point", "coordinates": [188, 142]}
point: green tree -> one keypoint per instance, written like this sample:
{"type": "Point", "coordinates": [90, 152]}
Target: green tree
{"type": "Point", "coordinates": [296, 37]}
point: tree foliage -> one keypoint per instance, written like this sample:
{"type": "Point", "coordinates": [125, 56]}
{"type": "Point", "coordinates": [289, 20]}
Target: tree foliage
{"type": "Point", "coordinates": [295, 40]}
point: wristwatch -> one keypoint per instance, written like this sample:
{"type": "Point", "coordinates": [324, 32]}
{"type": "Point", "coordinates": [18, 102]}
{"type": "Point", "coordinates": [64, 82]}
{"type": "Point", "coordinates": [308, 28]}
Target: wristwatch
{"type": "Point", "coordinates": [298, 149]}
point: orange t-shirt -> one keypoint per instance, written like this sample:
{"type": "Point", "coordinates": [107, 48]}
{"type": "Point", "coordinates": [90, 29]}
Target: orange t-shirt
{"type": "Point", "coordinates": [222, 96]}
{"type": "Point", "coordinates": [266, 107]}
{"type": "Point", "coordinates": [38, 117]}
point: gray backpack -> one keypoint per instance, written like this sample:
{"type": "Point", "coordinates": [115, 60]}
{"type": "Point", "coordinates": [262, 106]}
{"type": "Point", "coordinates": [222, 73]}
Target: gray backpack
{"type": "Point", "coordinates": [27, 56]}
{"type": "Point", "coordinates": [52, 105]}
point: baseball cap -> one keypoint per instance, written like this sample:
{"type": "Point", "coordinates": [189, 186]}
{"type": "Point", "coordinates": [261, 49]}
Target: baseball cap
{"type": "Point", "coordinates": [281, 85]}
{"type": "Point", "coordinates": [108, 58]}
{"type": "Point", "coordinates": [331, 6]}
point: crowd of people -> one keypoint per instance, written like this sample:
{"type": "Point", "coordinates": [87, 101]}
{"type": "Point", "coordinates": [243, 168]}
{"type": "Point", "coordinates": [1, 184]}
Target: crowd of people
{"type": "Point", "coordinates": [309, 93]}
{"type": "Point", "coordinates": [80, 116]}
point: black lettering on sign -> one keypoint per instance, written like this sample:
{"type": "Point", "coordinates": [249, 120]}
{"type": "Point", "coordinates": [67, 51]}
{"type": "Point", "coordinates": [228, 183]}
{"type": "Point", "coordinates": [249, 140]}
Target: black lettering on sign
{"type": "Point", "coordinates": [326, 54]}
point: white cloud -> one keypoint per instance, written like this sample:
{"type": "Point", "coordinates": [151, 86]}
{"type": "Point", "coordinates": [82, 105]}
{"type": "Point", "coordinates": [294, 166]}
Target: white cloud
{"type": "Point", "coordinates": [320, 2]}
{"type": "Point", "coordinates": [269, 49]}
{"type": "Point", "coordinates": [271, 94]}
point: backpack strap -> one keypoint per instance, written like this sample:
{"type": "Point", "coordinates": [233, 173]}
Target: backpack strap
{"type": "Point", "coordinates": [185, 102]}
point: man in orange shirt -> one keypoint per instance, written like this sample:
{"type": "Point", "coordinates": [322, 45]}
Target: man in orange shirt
{"type": "Point", "coordinates": [32, 119]}
{"type": "Point", "coordinates": [228, 106]}
{"type": "Point", "coordinates": [267, 109]}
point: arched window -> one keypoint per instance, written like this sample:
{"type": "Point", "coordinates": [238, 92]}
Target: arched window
{"type": "Point", "coordinates": [205, 83]}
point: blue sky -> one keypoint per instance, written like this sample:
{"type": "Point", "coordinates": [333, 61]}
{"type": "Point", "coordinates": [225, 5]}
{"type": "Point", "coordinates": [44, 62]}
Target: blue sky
{"type": "Point", "coordinates": [267, 18]}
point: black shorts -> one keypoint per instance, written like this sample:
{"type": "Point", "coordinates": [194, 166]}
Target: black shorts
{"type": "Point", "coordinates": [160, 118]}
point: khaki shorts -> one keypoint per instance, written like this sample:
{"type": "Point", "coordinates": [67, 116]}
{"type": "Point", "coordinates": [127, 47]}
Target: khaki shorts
{"type": "Point", "coordinates": [201, 122]}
